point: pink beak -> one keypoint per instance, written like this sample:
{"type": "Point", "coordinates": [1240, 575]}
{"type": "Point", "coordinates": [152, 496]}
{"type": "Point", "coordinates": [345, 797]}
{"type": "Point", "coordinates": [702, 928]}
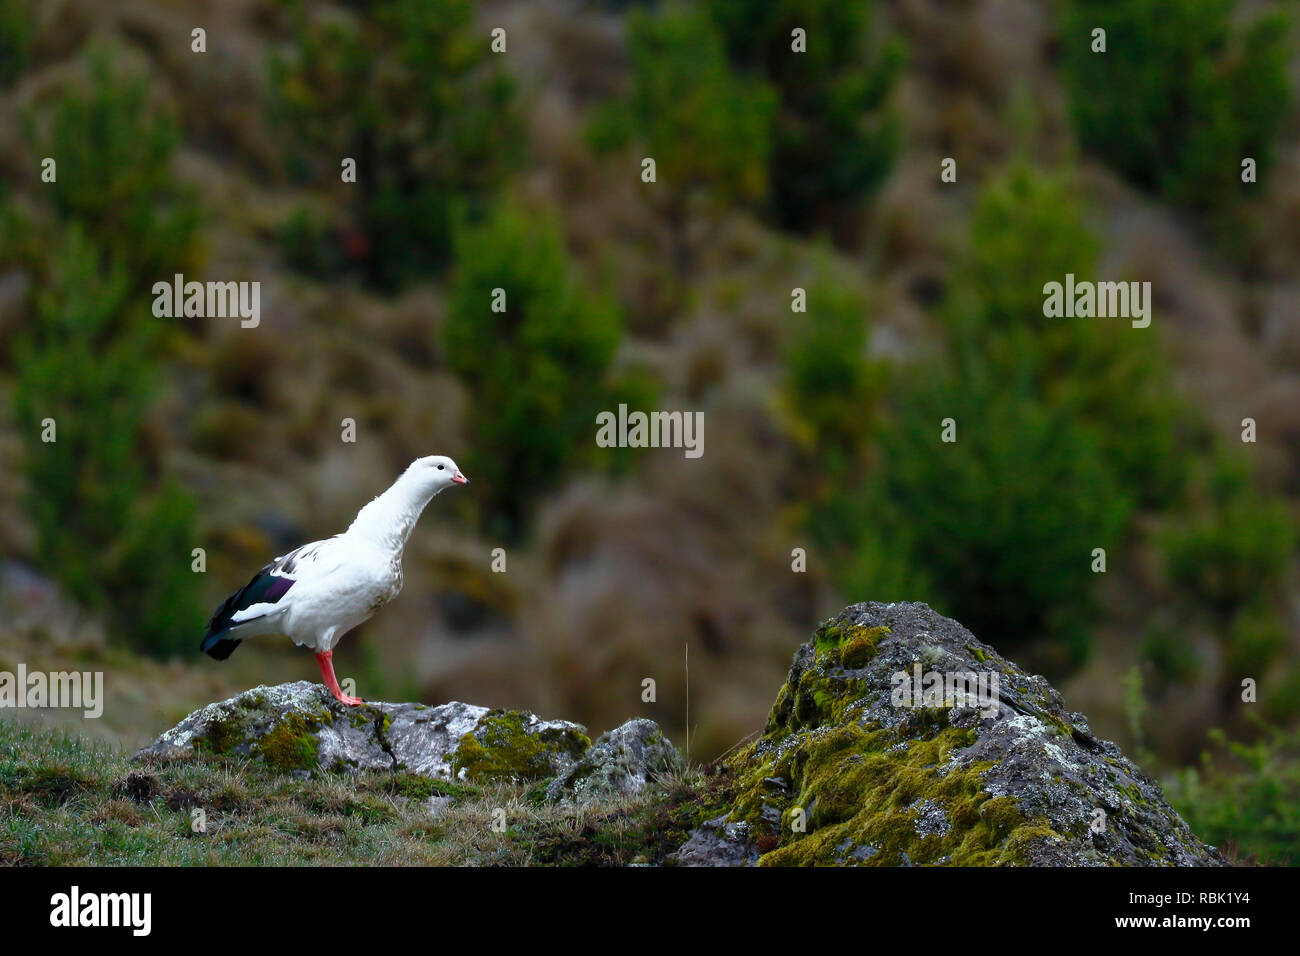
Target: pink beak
{"type": "Point", "coordinates": [460, 479]}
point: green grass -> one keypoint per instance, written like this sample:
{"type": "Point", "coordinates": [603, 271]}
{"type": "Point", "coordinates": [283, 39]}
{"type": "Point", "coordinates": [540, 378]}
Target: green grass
{"type": "Point", "coordinates": [67, 801]}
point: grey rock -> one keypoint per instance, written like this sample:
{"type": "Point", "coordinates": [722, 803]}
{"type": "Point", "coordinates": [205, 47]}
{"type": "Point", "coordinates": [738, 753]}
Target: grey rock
{"type": "Point", "coordinates": [930, 818]}
{"type": "Point", "coordinates": [620, 763]}
{"type": "Point", "coordinates": [1017, 765]}
{"type": "Point", "coordinates": [717, 843]}
{"type": "Point", "coordinates": [300, 727]}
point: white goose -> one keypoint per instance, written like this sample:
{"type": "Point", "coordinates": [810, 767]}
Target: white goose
{"type": "Point", "coordinates": [317, 593]}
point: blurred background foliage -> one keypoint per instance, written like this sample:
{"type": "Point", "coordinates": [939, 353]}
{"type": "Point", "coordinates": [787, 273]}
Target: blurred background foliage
{"type": "Point", "coordinates": [535, 360]}
{"type": "Point", "coordinates": [1186, 93]}
{"type": "Point", "coordinates": [777, 174]}
{"type": "Point", "coordinates": [708, 129]}
{"type": "Point", "coordinates": [834, 136]}
{"type": "Point", "coordinates": [405, 88]}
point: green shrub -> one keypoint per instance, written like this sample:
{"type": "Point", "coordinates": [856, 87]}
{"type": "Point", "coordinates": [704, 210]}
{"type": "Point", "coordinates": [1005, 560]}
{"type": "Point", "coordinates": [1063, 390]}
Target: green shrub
{"type": "Point", "coordinates": [1005, 519]}
{"type": "Point", "coordinates": [1245, 797]}
{"type": "Point", "coordinates": [1028, 229]}
{"type": "Point", "coordinates": [1228, 551]}
{"type": "Point", "coordinates": [871, 557]}
{"type": "Point", "coordinates": [160, 607]}
{"type": "Point", "coordinates": [831, 393]}
{"type": "Point", "coordinates": [114, 534]}
{"type": "Point", "coordinates": [536, 371]}
{"type": "Point", "coordinates": [114, 151]}
{"type": "Point", "coordinates": [708, 130]}
{"type": "Point", "coordinates": [1064, 428]}
{"type": "Point", "coordinates": [836, 138]}
{"type": "Point", "coordinates": [1256, 636]}
{"type": "Point", "coordinates": [407, 89]}
{"type": "Point", "coordinates": [635, 387]}
{"type": "Point", "coordinates": [1181, 95]}
{"type": "Point", "coordinates": [1229, 554]}
{"type": "Point", "coordinates": [95, 389]}
{"type": "Point", "coordinates": [1235, 546]}
{"type": "Point", "coordinates": [830, 385]}
{"type": "Point", "coordinates": [113, 544]}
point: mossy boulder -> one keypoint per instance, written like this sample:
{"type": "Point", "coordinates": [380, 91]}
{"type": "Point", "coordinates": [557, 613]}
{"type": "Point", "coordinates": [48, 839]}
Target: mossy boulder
{"type": "Point", "coordinates": [900, 739]}
{"type": "Point", "coordinates": [301, 727]}
{"type": "Point", "coordinates": [622, 763]}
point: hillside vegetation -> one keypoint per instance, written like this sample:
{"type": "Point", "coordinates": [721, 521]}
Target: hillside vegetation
{"type": "Point", "coordinates": [776, 171]}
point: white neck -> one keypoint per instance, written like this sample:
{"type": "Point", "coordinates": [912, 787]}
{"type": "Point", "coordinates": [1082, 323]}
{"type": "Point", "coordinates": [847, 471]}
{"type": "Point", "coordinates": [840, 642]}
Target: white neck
{"type": "Point", "coordinates": [387, 521]}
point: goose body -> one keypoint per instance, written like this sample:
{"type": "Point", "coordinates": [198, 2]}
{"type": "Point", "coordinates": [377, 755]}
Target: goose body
{"type": "Point", "coordinates": [318, 592]}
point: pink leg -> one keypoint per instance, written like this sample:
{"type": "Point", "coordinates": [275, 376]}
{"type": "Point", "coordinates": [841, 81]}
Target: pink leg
{"type": "Point", "coordinates": [326, 662]}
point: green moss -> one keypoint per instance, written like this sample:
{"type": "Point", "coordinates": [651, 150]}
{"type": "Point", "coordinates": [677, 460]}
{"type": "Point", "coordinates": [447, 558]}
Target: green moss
{"type": "Point", "coordinates": [222, 736]}
{"type": "Point", "coordinates": [502, 748]}
{"type": "Point", "coordinates": [291, 744]}
{"type": "Point", "coordinates": [858, 797]}
{"type": "Point", "coordinates": [535, 796]}
{"type": "Point", "coordinates": [822, 786]}
{"type": "Point", "coordinates": [414, 786]}
{"type": "Point", "coordinates": [861, 647]}
{"type": "Point", "coordinates": [822, 691]}
{"type": "Point", "coordinates": [850, 646]}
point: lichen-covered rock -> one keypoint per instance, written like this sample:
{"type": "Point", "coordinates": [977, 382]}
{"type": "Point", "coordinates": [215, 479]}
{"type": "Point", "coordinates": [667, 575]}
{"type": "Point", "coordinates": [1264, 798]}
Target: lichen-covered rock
{"type": "Point", "coordinates": [717, 843]}
{"type": "Point", "coordinates": [301, 727]}
{"type": "Point", "coordinates": [620, 763]}
{"type": "Point", "coordinates": [900, 739]}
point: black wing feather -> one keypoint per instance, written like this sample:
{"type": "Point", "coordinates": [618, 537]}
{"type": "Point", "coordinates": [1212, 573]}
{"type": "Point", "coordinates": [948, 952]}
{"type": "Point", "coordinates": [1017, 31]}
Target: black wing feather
{"type": "Point", "coordinates": [264, 587]}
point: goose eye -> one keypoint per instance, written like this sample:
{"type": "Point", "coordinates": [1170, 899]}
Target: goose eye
{"type": "Point", "coordinates": [440, 467]}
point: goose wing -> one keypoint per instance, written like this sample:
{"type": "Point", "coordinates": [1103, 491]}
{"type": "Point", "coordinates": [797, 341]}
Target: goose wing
{"type": "Point", "coordinates": [269, 588]}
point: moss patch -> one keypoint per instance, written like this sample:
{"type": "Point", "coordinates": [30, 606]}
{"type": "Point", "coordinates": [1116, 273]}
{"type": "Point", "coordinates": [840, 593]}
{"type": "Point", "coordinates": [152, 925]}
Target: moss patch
{"type": "Point", "coordinates": [848, 646]}
{"type": "Point", "coordinates": [240, 730]}
{"type": "Point", "coordinates": [856, 795]}
{"type": "Point", "coordinates": [291, 744]}
{"type": "Point", "coordinates": [223, 736]}
{"type": "Point", "coordinates": [823, 692]}
{"type": "Point", "coordinates": [413, 786]}
{"type": "Point", "coordinates": [503, 748]}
